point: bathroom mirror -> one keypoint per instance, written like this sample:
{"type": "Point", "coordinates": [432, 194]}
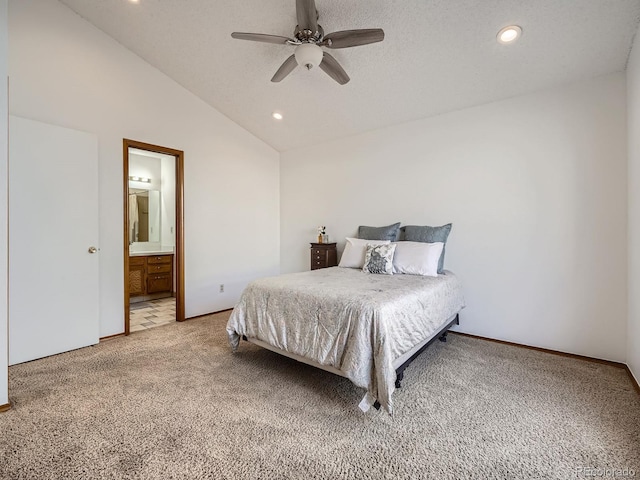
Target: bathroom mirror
{"type": "Point", "coordinates": [144, 215]}
{"type": "Point", "coordinates": [151, 201]}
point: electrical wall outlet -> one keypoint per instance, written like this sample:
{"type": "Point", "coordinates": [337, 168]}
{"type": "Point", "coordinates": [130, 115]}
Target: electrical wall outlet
{"type": "Point", "coordinates": [222, 288]}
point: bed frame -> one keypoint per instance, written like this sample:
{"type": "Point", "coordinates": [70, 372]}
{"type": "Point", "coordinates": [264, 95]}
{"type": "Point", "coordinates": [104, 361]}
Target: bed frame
{"type": "Point", "coordinates": [440, 335]}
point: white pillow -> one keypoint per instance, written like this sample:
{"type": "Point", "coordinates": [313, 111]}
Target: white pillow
{"type": "Point", "coordinates": [417, 258]}
{"type": "Point", "coordinates": [355, 250]}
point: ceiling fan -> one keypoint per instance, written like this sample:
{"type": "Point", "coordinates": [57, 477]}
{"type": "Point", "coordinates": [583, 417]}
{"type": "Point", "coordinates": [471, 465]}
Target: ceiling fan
{"type": "Point", "coordinates": [308, 37]}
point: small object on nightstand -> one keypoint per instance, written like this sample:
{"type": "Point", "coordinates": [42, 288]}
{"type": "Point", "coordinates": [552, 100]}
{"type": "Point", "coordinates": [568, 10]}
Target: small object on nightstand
{"type": "Point", "coordinates": [321, 234]}
{"type": "Point", "coordinates": [323, 255]}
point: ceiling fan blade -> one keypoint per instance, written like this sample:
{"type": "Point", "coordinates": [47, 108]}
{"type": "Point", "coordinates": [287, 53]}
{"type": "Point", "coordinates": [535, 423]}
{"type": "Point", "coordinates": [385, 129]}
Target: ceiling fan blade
{"type": "Point", "coordinates": [285, 69]}
{"type": "Point", "coordinates": [307, 15]}
{"type": "Point", "coordinates": [261, 37]}
{"type": "Point", "coordinates": [353, 38]}
{"type": "Point", "coordinates": [332, 68]}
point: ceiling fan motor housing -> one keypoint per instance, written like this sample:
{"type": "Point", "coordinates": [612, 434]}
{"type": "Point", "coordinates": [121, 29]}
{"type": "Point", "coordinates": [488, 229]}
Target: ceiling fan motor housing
{"type": "Point", "coordinates": [308, 36]}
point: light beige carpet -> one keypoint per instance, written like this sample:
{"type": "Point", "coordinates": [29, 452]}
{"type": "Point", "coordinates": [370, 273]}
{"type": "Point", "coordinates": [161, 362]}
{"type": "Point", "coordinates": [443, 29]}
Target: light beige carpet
{"type": "Point", "coordinates": [174, 403]}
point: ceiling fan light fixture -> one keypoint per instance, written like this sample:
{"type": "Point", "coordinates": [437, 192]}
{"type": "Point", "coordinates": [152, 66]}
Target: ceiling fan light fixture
{"type": "Point", "coordinates": [308, 55]}
{"type": "Point", "coordinates": [509, 34]}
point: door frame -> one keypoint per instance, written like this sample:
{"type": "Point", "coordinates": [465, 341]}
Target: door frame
{"type": "Point", "coordinates": [179, 227]}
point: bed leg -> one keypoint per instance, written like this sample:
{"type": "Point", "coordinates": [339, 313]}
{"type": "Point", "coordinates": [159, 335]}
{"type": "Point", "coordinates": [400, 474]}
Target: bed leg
{"type": "Point", "coordinates": [244, 337]}
{"type": "Point", "coordinates": [443, 337]}
{"type": "Point", "coordinates": [457, 319]}
{"type": "Point", "coordinates": [376, 405]}
{"type": "Point", "coordinates": [399, 377]}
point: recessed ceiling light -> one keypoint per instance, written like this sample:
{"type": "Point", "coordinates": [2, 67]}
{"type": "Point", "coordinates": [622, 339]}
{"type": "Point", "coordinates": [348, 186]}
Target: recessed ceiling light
{"type": "Point", "coordinates": [509, 34]}
{"type": "Point", "coordinates": [277, 115]}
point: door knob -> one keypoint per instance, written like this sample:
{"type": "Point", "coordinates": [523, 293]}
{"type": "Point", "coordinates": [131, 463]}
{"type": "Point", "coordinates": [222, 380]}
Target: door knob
{"type": "Point", "coordinates": [93, 249]}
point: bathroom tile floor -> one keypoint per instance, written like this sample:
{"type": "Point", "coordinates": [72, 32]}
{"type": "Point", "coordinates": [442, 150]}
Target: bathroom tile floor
{"type": "Point", "coordinates": [154, 313]}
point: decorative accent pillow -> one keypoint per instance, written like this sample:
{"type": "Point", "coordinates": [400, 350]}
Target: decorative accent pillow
{"type": "Point", "coordinates": [390, 232]}
{"type": "Point", "coordinates": [417, 258]}
{"type": "Point", "coordinates": [379, 259]}
{"type": "Point", "coordinates": [414, 233]}
{"type": "Point", "coordinates": [354, 252]}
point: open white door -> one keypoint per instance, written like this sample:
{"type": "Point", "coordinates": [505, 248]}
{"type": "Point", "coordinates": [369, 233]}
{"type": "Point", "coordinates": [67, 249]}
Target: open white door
{"type": "Point", "coordinates": [53, 228]}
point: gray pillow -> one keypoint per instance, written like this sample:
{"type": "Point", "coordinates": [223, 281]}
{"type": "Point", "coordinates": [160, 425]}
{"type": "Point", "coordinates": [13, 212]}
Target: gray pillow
{"type": "Point", "coordinates": [389, 232]}
{"type": "Point", "coordinates": [414, 233]}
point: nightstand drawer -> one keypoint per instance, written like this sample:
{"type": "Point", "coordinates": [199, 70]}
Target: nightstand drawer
{"type": "Point", "coordinates": [323, 255]}
{"type": "Point", "coordinates": [318, 264]}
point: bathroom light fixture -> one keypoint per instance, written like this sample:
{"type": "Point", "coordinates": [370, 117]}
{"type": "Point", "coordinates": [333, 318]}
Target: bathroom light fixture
{"type": "Point", "coordinates": [277, 115]}
{"type": "Point", "coordinates": [140, 179]}
{"type": "Point", "coordinates": [509, 34]}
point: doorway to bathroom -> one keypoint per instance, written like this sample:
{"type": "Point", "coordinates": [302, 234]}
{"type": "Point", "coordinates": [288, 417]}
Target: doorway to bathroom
{"type": "Point", "coordinates": [153, 181]}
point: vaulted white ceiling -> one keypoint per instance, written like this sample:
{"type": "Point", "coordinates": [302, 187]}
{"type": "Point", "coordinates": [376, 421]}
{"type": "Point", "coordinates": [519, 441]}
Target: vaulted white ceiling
{"type": "Point", "coordinates": [438, 56]}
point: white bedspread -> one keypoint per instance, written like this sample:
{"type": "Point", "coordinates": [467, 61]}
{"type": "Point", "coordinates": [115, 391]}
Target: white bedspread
{"type": "Point", "coordinates": [356, 322]}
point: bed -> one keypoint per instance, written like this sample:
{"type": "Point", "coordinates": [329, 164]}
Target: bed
{"type": "Point", "coordinates": [364, 327]}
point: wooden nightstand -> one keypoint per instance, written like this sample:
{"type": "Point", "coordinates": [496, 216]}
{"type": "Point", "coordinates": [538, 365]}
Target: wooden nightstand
{"type": "Point", "coordinates": [323, 255]}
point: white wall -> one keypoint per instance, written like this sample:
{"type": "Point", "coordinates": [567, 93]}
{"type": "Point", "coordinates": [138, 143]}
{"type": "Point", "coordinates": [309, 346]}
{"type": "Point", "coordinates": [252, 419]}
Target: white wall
{"type": "Point", "coordinates": [633, 112]}
{"type": "Point", "coordinates": [4, 136]}
{"type": "Point", "coordinates": [535, 187]}
{"type": "Point", "coordinates": [64, 71]}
